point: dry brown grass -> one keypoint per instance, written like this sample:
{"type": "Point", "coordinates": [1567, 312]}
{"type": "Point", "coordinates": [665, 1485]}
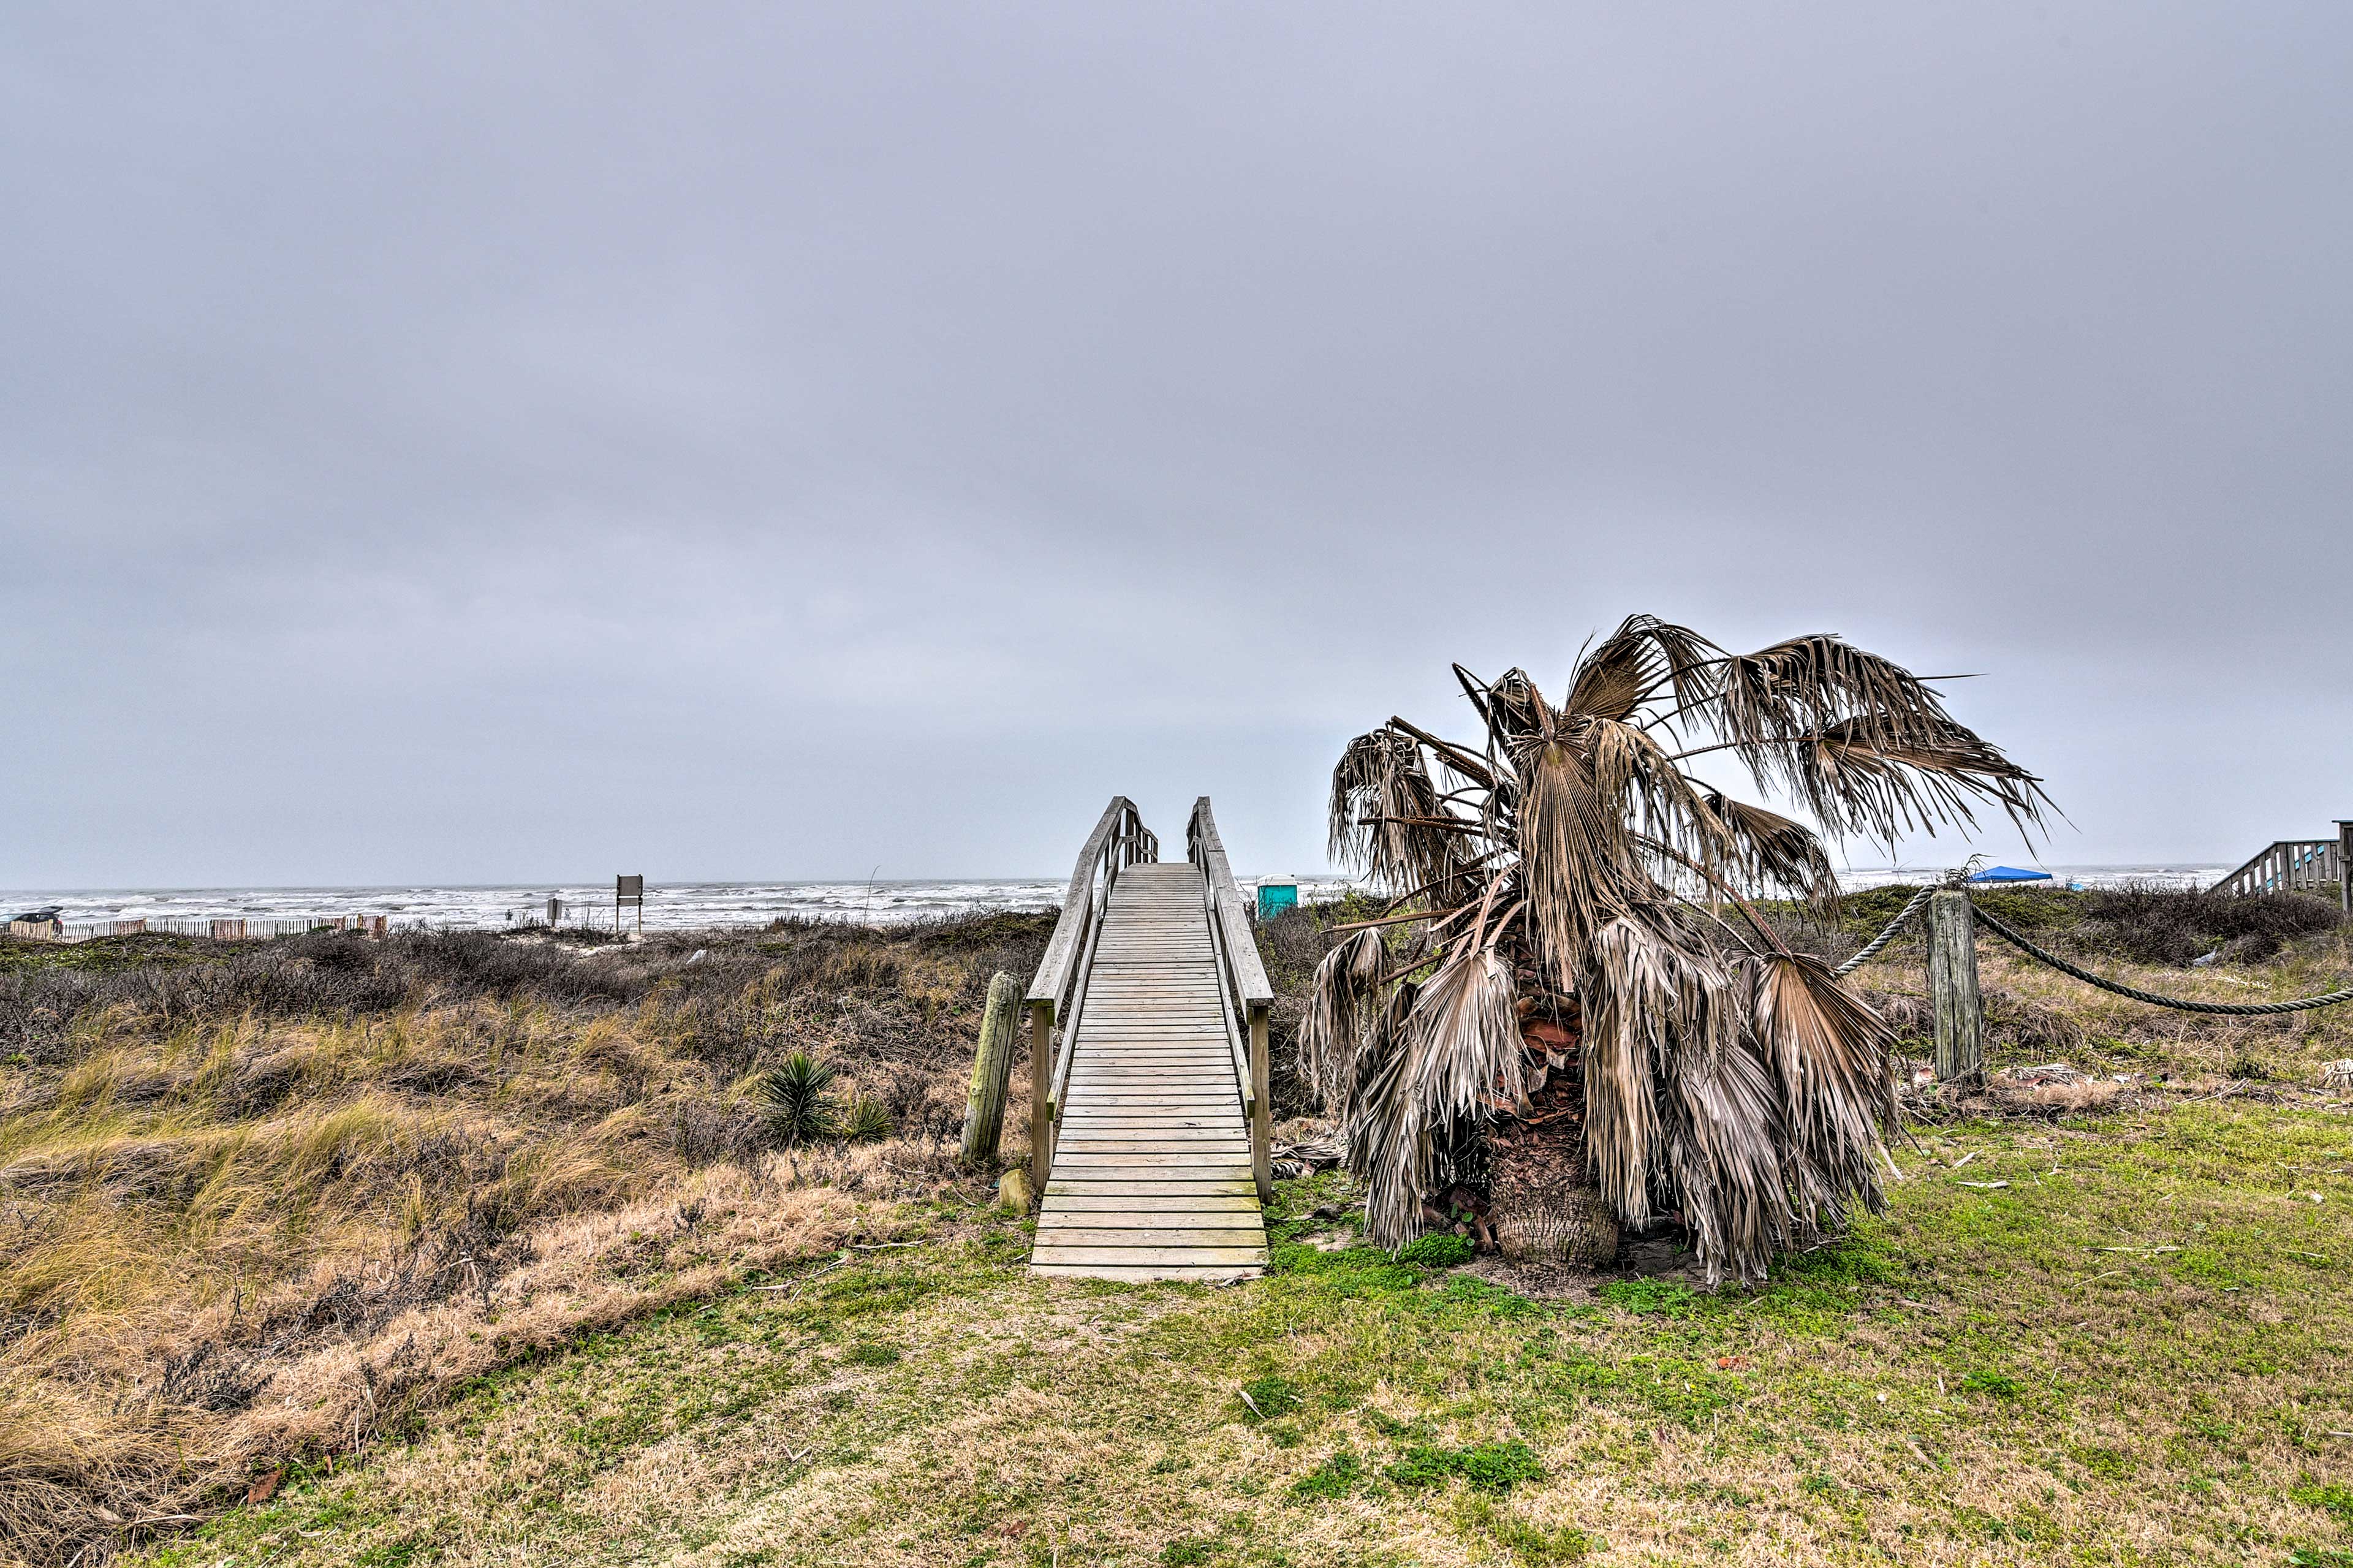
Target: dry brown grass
{"type": "Point", "coordinates": [234, 1239]}
{"type": "Point", "coordinates": [265, 1228]}
{"type": "Point", "coordinates": [2035, 1013]}
{"type": "Point", "coordinates": [2130, 1351]}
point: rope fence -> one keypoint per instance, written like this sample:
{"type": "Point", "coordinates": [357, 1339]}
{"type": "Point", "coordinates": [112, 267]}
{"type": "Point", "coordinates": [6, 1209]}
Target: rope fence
{"type": "Point", "coordinates": [2228, 1009]}
{"type": "Point", "coordinates": [2001, 929]}
{"type": "Point", "coordinates": [1902, 917]}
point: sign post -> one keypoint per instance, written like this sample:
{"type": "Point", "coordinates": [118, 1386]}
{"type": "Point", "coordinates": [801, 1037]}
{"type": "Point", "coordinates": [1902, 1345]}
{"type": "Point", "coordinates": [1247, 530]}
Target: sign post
{"type": "Point", "coordinates": [630, 892]}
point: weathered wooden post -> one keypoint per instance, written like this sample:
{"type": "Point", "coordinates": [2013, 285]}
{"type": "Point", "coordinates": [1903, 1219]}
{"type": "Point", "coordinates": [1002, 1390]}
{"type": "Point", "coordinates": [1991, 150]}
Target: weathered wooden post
{"type": "Point", "coordinates": [1261, 1105]}
{"type": "Point", "coordinates": [2345, 864]}
{"type": "Point", "coordinates": [992, 1071]}
{"type": "Point", "coordinates": [1041, 1086]}
{"type": "Point", "coordinates": [1953, 986]}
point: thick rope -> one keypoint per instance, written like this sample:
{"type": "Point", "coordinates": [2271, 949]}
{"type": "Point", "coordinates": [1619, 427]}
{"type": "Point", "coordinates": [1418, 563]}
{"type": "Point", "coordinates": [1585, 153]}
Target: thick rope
{"type": "Point", "coordinates": [2228, 1009]}
{"type": "Point", "coordinates": [1870, 949]}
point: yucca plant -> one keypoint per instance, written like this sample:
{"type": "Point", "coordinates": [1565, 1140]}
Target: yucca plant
{"type": "Point", "coordinates": [1571, 988]}
{"type": "Point", "coordinates": [865, 1118]}
{"type": "Point", "coordinates": [800, 1108]}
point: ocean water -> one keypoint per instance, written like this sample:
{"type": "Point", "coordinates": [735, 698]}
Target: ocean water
{"type": "Point", "coordinates": [2182, 874]}
{"type": "Point", "coordinates": [677, 906]}
{"type": "Point", "coordinates": [687, 906]}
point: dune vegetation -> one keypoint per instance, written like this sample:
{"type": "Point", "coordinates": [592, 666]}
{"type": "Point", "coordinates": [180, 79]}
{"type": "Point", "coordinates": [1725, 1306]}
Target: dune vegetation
{"type": "Point", "coordinates": [473, 1249]}
{"type": "Point", "coordinates": [2114, 1341]}
{"type": "Point", "coordinates": [259, 1205]}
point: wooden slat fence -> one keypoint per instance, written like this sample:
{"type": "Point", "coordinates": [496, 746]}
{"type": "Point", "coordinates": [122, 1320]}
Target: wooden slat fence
{"type": "Point", "coordinates": [233, 929]}
{"type": "Point", "coordinates": [2291, 866]}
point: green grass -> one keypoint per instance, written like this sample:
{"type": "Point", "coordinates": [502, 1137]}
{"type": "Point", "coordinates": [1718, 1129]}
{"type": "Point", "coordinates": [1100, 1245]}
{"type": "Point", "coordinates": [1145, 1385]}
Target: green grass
{"type": "Point", "coordinates": [2024, 1375]}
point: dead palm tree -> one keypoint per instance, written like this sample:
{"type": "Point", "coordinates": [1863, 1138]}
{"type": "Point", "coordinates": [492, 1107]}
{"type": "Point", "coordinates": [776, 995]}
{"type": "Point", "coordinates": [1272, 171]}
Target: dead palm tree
{"type": "Point", "coordinates": [1572, 981]}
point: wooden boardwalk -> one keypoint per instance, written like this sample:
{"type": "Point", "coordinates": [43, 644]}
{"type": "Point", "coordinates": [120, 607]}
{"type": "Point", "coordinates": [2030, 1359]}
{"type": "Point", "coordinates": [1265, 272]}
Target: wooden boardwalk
{"type": "Point", "coordinates": [1152, 1173]}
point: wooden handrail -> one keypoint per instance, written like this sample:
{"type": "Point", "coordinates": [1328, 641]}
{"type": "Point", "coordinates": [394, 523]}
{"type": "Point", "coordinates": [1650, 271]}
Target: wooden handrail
{"type": "Point", "coordinates": [1237, 1046]}
{"type": "Point", "coordinates": [2280, 867]}
{"type": "Point", "coordinates": [1242, 975]}
{"type": "Point", "coordinates": [1053, 974]}
{"type": "Point", "coordinates": [1059, 989]}
{"type": "Point", "coordinates": [1059, 1094]}
{"type": "Point", "coordinates": [1207, 850]}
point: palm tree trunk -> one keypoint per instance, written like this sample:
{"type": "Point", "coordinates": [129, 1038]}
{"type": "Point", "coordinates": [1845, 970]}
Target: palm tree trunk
{"type": "Point", "coordinates": [1544, 1204]}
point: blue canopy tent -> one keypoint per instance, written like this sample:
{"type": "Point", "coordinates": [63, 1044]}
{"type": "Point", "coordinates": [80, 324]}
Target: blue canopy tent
{"type": "Point", "coordinates": [2010, 874]}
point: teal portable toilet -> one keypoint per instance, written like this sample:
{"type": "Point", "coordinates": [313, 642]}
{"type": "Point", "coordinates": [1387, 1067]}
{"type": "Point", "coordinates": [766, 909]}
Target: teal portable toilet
{"type": "Point", "coordinates": [1276, 894]}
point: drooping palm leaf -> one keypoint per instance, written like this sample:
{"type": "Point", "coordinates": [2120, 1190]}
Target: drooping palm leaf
{"type": "Point", "coordinates": [1723, 1077]}
{"type": "Point", "coordinates": [1343, 983]}
{"type": "Point", "coordinates": [1388, 819]}
{"type": "Point", "coordinates": [1388, 1148]}
{"type": "Point", "coordinates": [1828, 1054]}
{"type": "Point", "coordinates": [1771, 853]}
{"type": "Point", "coordinates": [1724, 1145]}
{"type": "Point", "coordinates": [1648, 1000]}
{"type": "Point", "coordinates": [1882, 788]}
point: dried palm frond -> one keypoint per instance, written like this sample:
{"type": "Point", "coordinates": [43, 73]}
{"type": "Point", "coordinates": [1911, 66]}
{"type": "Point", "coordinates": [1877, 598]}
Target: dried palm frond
{"type": "Point", "coordinates": [1464, 1035]}
{"type": "Point", "coordinates": [1881, 788]}
{"type": "Point", "coordinates": [1867, 745]}
{"type": "Point", "coordinates": [1388, 819]}
{"type": "Point", "coordinates": [1648, 1002]}
{"type": "Point", "coordinates": [1724, 1153]}
{"type": "Point", "coordinates": [1388, 1148]}
{"type": "Point", "coordinates": [1768, 852]}
{"type": "Point", "coordinates": [1626, 669]}
{"type": "Point", "coordinates": [1343, 983]}
{"type": "Point", "coordinates": [1828, 1054]}
{"type": "Point", "coordinates": [1577, 862]}
{"type": "Point", "coordinates": [1456, 1055]}
{"type": "Point", "coordinates": [1724, 1078]}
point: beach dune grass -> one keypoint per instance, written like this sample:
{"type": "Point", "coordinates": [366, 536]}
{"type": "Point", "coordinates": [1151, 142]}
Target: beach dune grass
{"type": "Point", "coordinates": [2134, 1351]}
{"type": "Point", "coordinates": [261, 1203]}
{"type": "Point", "coordinates": [332, 1223]}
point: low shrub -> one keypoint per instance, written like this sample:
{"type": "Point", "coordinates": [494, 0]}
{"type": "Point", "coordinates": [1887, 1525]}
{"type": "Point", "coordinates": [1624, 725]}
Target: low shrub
{"type": "Point", "coordinates": [797, 1092]}
{"type": "Point", "coordinates": [2161, 925]}
{"type": "Point", "coordinates": [1439, 1249]}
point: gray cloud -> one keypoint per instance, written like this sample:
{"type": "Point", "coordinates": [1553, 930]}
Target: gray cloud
{"type": "Point", "coordinates": [750, 443]}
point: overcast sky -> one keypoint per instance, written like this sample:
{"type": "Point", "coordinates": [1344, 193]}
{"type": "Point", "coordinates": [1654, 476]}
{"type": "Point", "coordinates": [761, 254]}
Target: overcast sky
{"type": "Point", "coordinates": [769, 441]}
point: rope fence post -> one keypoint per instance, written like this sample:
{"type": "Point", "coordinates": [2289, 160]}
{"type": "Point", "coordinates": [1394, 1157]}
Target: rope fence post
{"type": "Point", "coordinates": [992, 1071]}
{"type": "Point", "coordinates": [1953, 986]}
{"type": "Point", "coordinates": [2345, 864]}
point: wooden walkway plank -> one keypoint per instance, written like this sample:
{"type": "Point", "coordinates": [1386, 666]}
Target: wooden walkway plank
{"type": "Point", "coordinates": [1151, 1175]}
{"type": "Point", "coordinates": [1151, 1162]}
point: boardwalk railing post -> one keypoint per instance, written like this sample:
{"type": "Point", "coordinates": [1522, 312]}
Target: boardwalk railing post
{"type": "Point", "coordinates": [1042, 1073]}
{"type": "Point", "coordinates": [1261, 1106]}
{"type": "Point", "coordinates": [992, 1071]}
{"type": "Point", "coordinates": [1953, 986]}
{"type": "Point", "coordinates": [2345, 864]}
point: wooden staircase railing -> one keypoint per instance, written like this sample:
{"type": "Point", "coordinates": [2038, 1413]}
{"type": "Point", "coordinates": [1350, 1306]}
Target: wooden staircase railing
{"type": "Point", "coordinates": [1059, 992]}
{"type": "Point", "coordinates": [2296, 865]}
{"type": "Point", "coordinates": [1241, 983]}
